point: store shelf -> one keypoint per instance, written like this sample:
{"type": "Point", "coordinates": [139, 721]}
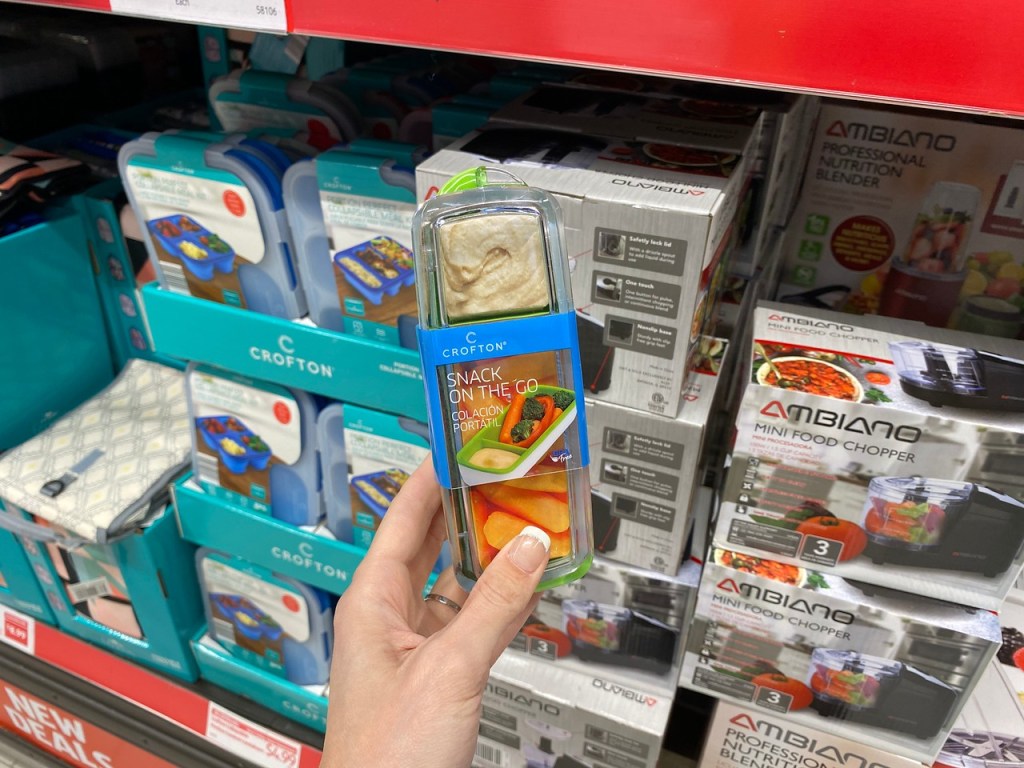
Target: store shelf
{"type": "Point", "coordinates": [293, 354]}
{"type": "Point", "coordinates": [908, 52]}
{"type": "Point", "coordinates": [178, 703]}
{"type": "Point", "coordinates": [296, 552]}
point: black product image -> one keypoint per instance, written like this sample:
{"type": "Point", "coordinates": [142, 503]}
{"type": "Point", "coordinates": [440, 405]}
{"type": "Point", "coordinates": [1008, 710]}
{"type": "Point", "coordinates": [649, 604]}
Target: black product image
{"type": "Point", "coordinates": [951, 525]}
{"type": "Point", "coordinates": [596, 357]}
{"type": "Point", "coordinates": [879, 692]}
{"type": "Point", "coordinates": [606, 525]}
{"type": "Point", "coordinates": [959, 377]}
{"type": "Point", "coordinates": [620, 636]}
{"type": "Point", "coordinates": [567, 761]}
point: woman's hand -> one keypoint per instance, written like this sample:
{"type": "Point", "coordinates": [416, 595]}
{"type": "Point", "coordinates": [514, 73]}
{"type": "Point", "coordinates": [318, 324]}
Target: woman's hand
{"type": "Point", "coordinates": [408, 676]}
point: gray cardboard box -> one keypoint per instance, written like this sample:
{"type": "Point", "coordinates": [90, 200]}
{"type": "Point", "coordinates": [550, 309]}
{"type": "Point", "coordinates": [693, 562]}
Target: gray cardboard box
{"type": "Point", "coordinates": [534, 715]}
{"type": "Point", "coordinates": [644, 472]}
{"type": "Point", "coordinates": [645, 242]}
{"type": "Point", "coordinates": [620, 622]}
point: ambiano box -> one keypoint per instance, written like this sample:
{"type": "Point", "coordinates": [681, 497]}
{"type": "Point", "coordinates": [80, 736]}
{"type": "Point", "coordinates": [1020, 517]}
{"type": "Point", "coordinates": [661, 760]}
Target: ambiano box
{"type": "Point", "coordinates": [911, 215]}
{"type": "Point", "coordinates": [884, 669]}
{"type": "Point", "coordinates": [747, 737]}
{"type": "Point", "coordinates": [645, 470]}
{"type": "Point", "coordinates": [536, 716]}
{"type": "Point", "coordinates": [881, 451]}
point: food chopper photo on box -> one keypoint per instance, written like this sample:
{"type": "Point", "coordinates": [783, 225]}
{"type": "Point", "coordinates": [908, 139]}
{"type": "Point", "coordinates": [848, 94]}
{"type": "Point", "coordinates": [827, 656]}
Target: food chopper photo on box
{"type": "Point", "coordinates": [863, 443]}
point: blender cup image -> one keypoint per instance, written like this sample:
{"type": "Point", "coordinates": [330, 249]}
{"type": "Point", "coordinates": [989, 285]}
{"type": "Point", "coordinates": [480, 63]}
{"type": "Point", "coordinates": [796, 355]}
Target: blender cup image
{"type": "Point", "coordinates": [501, 363]}
{"type": "Point", "coordinates": [946, 524]}
{"type": "Point", "coordinates": [884, 693]}
{"type": "Point", "coordinates": [924, 281]}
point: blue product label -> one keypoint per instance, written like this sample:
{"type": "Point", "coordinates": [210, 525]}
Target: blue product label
{"type": "Point", "coordinates": [489, 378]}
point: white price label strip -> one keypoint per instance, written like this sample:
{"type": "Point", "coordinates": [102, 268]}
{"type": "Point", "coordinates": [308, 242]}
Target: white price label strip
{"type": "Point", "coordinates": [239, 736]}
{"type": "Point", "coordinates": [263, 15]}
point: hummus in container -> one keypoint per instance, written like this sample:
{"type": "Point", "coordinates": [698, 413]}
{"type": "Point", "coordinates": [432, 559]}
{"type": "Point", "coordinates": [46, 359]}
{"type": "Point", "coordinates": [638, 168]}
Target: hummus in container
{"type": "Point", "coordinates": [493, 265]}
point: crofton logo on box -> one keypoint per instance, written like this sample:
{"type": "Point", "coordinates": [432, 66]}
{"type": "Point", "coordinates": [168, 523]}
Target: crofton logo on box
{"type": "Point", "coordinates": [284, 357]}
{"type": "Point", "coordinates": [802, 742]}
{"type": "Point", "coordinates": [305, 558]}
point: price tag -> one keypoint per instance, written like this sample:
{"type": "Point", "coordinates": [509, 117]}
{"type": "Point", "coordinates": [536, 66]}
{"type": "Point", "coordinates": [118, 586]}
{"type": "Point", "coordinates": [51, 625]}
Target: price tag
{"type": "Point", "coordinates": [18, 630]}
{"type": "Point", "coordinates": [262, 15]}
{"type": "Point", "coordinates": [239, 736]}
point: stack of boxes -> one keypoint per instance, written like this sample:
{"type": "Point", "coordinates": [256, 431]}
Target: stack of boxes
{"type": "Point", "coordinates": [861, 548]}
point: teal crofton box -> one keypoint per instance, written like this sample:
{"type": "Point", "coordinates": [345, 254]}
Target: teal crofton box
{"type": "Point", "coordinates": [19, 587]}
{"type": "Point", "coordinates": [138, 597]}
{"type": "Point", "coordinates": [306, 704]}
{"type": "Point", "coordinates": [310, 555]}
{"type": "Point", "coordinates": [292, 353]}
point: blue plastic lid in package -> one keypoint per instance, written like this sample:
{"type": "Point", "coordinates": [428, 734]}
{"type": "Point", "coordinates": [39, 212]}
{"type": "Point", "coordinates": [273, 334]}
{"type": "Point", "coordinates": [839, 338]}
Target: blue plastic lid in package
{"type": "Point", "coordinates": [270, 621]}
{"type": "Point", "coordinates": [243, 101]}
{"type": "Point", "coordinates": [254, 444]}
{"type": "Point", "coordinates": [330, 431]}
{"type": "Point", "coordinates": [214, 219]}
{"type": "Point", "coordinates": [351, 217]}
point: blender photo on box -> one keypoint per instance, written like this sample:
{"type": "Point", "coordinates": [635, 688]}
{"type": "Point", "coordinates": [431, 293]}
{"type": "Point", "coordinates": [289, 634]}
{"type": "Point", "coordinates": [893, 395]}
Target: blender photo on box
{"type": "Point", "coordinates": [501, 365]}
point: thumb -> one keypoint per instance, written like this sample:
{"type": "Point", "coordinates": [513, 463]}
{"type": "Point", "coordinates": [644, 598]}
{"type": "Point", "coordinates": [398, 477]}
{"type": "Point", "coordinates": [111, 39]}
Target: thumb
{"type": "Point", "coordinates": [501, 600]}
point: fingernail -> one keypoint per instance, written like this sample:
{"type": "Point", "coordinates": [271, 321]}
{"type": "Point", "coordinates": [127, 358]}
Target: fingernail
{"type": "Point", "coordinates": [529, 549]}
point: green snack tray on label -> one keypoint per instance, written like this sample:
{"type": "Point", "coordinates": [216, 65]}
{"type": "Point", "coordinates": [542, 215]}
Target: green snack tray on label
{"type": "Point", "coordinates": [489, 437]}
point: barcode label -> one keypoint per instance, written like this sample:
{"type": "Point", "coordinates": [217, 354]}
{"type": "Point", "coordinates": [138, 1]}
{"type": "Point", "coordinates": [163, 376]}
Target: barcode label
{"type": "Point", "coordinates": [175, 278]}
{"type": "Point", "coordinates": [223, 630]}
{"type": "Point", "coordinates": [87, 590]}
{"type": "Point", "coordinates": [493, 756]}
{"type": "Point", "coordinates": [206, 467]}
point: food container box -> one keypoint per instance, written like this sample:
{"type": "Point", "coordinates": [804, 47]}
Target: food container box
{"type": "Point", "coordinates": [881, 668]}
{"type": "Point", "coordinates": [646, 241]}
{"type": "Point", "coordinates": [350, 213]}
{"type": "Point", "coordinates": [881, 451]}
{"type": "Point", "coordinates": [231, 189]}
{"type": "Point", "coordinates": [267, 620]}
{"type": "Point", "coordinates": [254, 444]}
{"type": "Point", "coordinates": [366, 457]}
{"type": "Point", "coordinates": [200, 250]}
{"type": "Point", "coordinates": [646, 469]}
{"type": "Point", "coordinates": [913, 215]}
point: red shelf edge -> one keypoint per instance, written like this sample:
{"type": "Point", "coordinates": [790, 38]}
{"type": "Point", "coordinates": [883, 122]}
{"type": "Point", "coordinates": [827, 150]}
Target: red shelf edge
{"type": "Point", "coordinates": [137, 685]}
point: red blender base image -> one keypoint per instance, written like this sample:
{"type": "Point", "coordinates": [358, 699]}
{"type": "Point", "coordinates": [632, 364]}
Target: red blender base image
{"type": "Point", "coordinates": [913, 294]}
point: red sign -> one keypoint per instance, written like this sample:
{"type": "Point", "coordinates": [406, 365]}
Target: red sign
{"type": "Point", "coordinates": [71, 739]}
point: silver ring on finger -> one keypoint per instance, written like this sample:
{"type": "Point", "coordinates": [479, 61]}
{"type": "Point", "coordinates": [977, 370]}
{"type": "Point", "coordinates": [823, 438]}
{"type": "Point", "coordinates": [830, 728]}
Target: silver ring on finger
{"type": "Point", "coordinates": [445, 601]}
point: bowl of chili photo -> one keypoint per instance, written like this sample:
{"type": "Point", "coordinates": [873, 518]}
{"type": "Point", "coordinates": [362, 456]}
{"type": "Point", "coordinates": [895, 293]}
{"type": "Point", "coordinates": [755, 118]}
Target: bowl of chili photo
{"type": "Point", "coordinates": [812, 376]}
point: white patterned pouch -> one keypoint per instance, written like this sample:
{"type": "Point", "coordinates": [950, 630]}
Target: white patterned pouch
{"type": "Point", "coordinates": [97, 471]}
